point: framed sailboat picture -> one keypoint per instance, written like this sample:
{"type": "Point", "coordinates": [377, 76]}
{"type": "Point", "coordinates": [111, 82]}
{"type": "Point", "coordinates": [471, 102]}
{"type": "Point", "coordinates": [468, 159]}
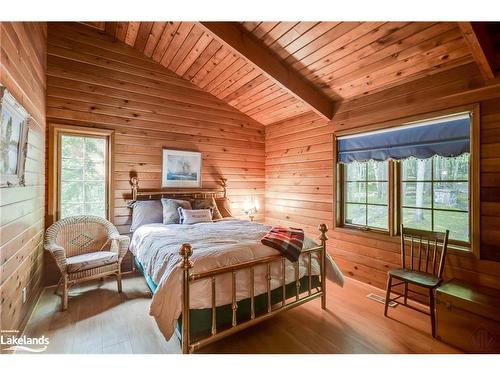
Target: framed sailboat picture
{"type": "Point", "coordinates": [181, 169]}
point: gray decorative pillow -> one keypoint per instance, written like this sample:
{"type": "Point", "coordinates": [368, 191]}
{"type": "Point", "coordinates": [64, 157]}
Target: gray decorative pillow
{"type": "Point", "coordinates": [146, 212]}
{"type": "Point", "coordinates": [223, 207]}
{"type": "Point", "coordinates": [170, 209]}
{"type": "Point", "coordinates": [207, 203]}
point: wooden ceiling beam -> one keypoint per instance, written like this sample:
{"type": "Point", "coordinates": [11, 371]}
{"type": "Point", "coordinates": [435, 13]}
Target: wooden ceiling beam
{"type": "Point", "coordinates": [477, 38]}
{"type": "Point", "coordinates": [230, 34]}
{"type": "Point", "coordinates": [110, 28]}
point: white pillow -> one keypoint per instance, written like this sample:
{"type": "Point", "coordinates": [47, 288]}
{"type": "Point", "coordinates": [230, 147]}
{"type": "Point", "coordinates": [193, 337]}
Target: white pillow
{"type": "Point", "coordinates": [195, 216]}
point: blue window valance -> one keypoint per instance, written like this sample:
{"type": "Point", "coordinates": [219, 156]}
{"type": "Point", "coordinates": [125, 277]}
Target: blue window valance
{"type": "Point", "coordinates": [447, 136]}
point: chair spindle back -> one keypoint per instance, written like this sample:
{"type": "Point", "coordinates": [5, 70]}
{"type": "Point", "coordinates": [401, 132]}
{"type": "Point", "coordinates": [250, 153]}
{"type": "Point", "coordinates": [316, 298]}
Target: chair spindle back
{"type": "Point", "coordinates": [427, 250]}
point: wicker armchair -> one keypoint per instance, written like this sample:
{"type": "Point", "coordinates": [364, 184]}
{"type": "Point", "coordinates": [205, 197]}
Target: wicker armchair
{"type": "Point", "coordinates": [85, 248]}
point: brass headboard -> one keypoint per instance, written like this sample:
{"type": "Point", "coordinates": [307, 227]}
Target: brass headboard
{"type": "Point", "coordinates": [177, 193]}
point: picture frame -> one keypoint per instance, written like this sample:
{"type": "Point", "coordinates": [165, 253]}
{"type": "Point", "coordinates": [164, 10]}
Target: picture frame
{"type": "Point", "coordinates": [14, 126]}
{"type": "Point", "coordinates": [181, 169]}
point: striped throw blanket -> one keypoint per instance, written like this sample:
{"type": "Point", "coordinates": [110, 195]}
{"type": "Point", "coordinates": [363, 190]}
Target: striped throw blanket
{"type": "Point", "coordinates": [288, 241]}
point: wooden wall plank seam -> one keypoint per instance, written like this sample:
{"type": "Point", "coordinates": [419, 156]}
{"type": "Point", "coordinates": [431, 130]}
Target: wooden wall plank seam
{"type": "Point", "coordinates": [96, 82]}
{"type": "Point", "coordinates": [23, 72]}
{"type": "Point", "coordinates": [300, 174]}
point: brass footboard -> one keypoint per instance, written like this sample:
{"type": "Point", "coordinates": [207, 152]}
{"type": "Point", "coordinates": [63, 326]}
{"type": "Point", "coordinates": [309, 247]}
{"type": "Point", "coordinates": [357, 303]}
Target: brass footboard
{"type": "Point", "coordinates": [186, 251]}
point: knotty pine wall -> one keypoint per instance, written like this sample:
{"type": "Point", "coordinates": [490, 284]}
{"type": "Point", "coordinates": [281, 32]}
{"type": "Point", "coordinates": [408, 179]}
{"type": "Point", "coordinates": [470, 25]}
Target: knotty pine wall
{"type": "Point", "coordinates": [300, 173]}
{"type": "Point", "coordinates": [22, 71]}
{"type": "Point", "coordinates": [96, 81]}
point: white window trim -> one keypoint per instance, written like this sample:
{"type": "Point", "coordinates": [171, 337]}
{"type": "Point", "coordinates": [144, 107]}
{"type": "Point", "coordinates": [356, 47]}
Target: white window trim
{"type": "Point", "coordinates": [55, 133]}
{"type": "Point", "coordinates": [394, 204]}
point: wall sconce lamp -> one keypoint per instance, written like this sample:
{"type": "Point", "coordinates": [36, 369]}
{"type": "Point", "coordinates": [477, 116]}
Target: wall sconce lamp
{"type": "Point", "coordinates": [251, 207]}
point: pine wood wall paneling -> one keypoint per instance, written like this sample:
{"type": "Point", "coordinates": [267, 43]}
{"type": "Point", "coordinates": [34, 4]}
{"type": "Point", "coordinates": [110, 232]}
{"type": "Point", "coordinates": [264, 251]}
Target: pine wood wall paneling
{"type": "Point", "coordinates": [22, 71]}
{"type": "Point", "coordinates": [390, 54]}
{"type": "Point", "coordinates": [189, 51]}
{"type": "Point", "coordinates": [95, 81]}
{"type": "Point", "coordinates": [354, 59]}
{"type": "Point", "coordinates": [299, 154]}
{"type": "Point", "coordinates": [343, 60]}
{"type": "Point", "coordinates": [317, 63]}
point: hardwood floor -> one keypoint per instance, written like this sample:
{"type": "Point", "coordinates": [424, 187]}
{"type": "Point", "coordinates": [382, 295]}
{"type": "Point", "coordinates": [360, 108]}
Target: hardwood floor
{"type": "Point", "coordinates": [99, 320]}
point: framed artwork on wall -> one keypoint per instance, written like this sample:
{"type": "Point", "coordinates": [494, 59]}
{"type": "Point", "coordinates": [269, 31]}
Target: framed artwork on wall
{"type": "Point", "coordinates": [181, 169]}
{"type": "Point", "coordinates": [13, 140]}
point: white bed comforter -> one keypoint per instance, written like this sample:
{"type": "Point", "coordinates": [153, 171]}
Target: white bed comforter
{"type": "Point", "coordinates": [218, 244]}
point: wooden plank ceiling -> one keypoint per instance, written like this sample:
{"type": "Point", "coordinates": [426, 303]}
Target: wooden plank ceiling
{"type": "Point", "coordinates": [341, 60]}
{"type": "Point", "coordinates": [483, 39]}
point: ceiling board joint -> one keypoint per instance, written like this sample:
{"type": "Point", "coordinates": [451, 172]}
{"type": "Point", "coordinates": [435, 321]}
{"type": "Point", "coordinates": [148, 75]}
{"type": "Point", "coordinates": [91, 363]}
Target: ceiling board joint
{"type": "Point", "coordinates": [233, 36]}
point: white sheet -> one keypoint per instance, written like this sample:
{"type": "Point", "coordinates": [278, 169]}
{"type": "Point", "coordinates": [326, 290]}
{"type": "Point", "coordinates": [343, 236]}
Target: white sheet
{"type": "Point", "coordinates": [218, 244]}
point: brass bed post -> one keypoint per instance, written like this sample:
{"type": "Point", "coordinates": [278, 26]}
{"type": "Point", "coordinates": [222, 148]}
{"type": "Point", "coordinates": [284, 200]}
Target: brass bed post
{"type": "Point", "coordinates": [283, 285]}
{"type": "Point", "coordinates": [252, 294]}
{"type": "Point", "coordinates": [190, 344]}
{"type": "Point", "coordinates": [323, 228]}
{"type": "Point", "coordinates": [269, 299]}
{"type": "Point", "coordinates": [214, 308]}
{"type": "Point", "coordinates": [186, 251]}
{"type": "Point", "coordinates": [135, 187]}
{"type": "Point", "coordinates": [297, 280]}
{"type": "Point", "coordinates": [223, 183]}
{"type": "Point", "coordinates": [234, 304]}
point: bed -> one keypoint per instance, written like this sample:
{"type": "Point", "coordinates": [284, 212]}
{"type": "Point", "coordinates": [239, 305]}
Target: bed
{"type": "Point", "coordinates": [210, 280]}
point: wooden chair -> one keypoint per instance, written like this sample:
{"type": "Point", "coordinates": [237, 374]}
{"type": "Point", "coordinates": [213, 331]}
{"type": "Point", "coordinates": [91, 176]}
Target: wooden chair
{"type": "Point", "coordinates": [426, 265]}
{"type": "Point", "coordinates": [85, 247]}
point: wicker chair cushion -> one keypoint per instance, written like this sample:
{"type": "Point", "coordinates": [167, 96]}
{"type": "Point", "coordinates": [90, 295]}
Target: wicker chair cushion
{"type": "Point", "coordinates": [91, 260]}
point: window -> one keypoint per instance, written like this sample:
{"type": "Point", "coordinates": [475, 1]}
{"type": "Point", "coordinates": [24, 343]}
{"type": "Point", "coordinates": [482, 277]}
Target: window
{"type": "Point", "coordinates": [83, 176]}
{"type": "Point", "coordinates": [435, 195]}
{"type": "Point", "coordinates": [425, 177]}
{"type": "Point", "coordinates": [366, 194]}
{"type": "Point", "coordinates": [81, 170]}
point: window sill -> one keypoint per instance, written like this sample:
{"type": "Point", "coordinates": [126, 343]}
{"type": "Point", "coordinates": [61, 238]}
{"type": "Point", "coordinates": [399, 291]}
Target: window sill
{"type": "Point", "coordinates": [380, 236]}
{"type": "Point", "coordinates": [368, 234]}
{"type": "Point", "coordinates": [460, 250]}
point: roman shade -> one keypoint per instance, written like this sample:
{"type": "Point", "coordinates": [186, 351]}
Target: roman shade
{"type": "Point", "coordinates": [445, 136]}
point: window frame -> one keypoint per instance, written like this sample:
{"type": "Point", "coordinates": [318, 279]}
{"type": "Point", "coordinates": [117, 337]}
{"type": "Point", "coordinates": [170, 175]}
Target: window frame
{"type": "Point", "coordinates": [343, 182]}
{"type": "Point", "coordinates": [395, 182]}
{"type": "Point", "coordinates": [431, 209]}
{"type": "Point", "coordinates": [56, 131]}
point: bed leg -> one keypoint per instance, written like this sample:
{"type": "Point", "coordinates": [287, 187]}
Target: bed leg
{"type": "Point", "coordinates": [186, 251]}
{"type": "Point", "coordinates": [323, 228]}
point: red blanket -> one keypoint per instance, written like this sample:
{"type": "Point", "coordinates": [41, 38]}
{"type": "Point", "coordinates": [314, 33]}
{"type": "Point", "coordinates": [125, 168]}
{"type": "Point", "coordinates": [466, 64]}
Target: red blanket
{"type": "Point", "coordinates": [288, 241]}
